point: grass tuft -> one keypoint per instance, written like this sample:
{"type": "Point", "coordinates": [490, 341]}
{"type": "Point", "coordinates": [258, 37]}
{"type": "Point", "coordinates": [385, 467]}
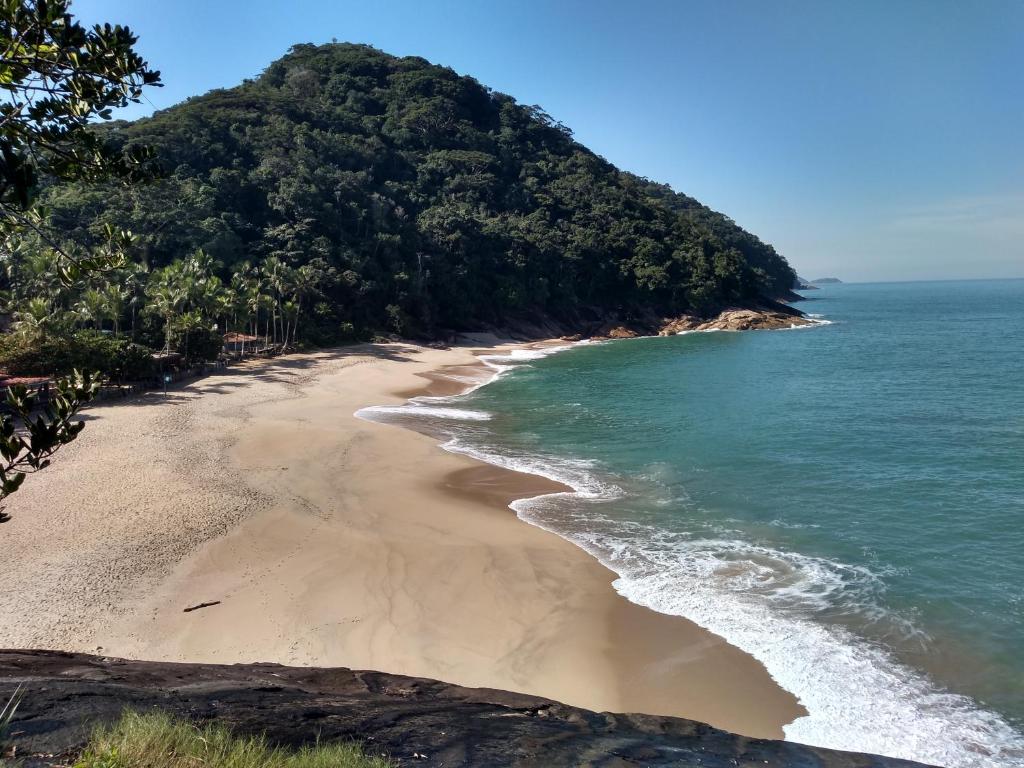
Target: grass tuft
{"type": "Point", "coordinates": [157, 740]}
{"type": "Point", "coordinates": [6, 718]}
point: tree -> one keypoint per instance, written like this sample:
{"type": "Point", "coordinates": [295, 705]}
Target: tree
{"type": "Point", "coordinates": [225, 308]}
{"type": "Point", "coordinates": [167, 297]}
{"type": "Point", "coordinates": [116, 297]}
{"type": "Point", "coordinates": [132, 282]}
{"type": "Point", "coordinates": [56, 77]}
{"type": "Point", "coordinates": [245, 287]}
{"type": "Point", "coordinates": [34, 316]}
{"type": "Point", "coordinates": [188, 297]}
{"type": "Point", "coordinates": [92, 308]}
{"type": "Point", "coordinates": [277, 278]}
{"type": "Point", "coordinates": [306, 284]}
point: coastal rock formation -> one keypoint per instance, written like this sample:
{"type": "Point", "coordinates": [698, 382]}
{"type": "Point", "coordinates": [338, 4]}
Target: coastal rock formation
{"type": "Point", "coordinates": [775, 316]}
{"type": "Point", "coordinates": [413, 721]}
{"type": "Point", "coordinates": [616, 331]}
{"type": "Point", "coordinates": [736, 320]}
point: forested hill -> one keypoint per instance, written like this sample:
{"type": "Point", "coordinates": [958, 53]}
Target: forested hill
{"type": "Point", "coordinates": [423, 201]}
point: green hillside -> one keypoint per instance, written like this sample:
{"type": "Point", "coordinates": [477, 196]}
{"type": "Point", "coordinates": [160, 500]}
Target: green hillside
{"type": "Point", "coordinates": [416, 200]}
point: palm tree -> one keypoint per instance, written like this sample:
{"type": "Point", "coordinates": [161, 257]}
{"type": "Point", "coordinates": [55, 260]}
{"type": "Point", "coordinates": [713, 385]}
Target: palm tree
{"type": "Point", "coordinates": [289, 314]}
{"type": "Point", "coordinates": [134, 283]}
{"type": "Point", "coordinates": [34, 316]}
{"type": "Point", "coordinates": [206, 286]}
{"type": "Point", "coordinates": [254, 299]}
{"type": "Point", "coordinates": [116, 297]}
{"type": "Point", "coordinates": [305, 286]}
{"type": "Point", "coordinates": [167, 296]}
{"type": "Point", "coordinates": [37, 274]}
{"type": "Point", "coordinates": [187, 322]}
{"type": "Point", "coordinates": [226, 308]}
{"type": "Point", "coordinates": [245, 285]}
{"type": "Point", "coordinates": [278, 278]}
{"type": "Point", "coordinates": [92, 307]}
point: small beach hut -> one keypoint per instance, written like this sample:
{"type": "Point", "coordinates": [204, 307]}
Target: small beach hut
{"type": "Point", "coordinates": [237, 342]}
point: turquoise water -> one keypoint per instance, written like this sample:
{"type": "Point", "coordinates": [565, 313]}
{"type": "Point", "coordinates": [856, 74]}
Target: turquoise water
{"type": "Point", "coordinates": [845, 502]}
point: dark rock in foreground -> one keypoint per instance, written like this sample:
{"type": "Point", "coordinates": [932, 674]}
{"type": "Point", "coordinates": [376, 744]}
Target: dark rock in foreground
{"type": "Point", "coordinates": [414, 721]}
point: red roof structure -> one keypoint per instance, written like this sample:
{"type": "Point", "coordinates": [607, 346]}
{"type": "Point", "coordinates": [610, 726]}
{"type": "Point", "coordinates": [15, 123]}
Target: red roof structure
{"type": "Point", "coordinates": [28, 381]}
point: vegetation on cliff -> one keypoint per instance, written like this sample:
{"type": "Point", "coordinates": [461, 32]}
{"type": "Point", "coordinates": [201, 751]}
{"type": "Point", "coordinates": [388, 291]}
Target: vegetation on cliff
{"type": "Point", "coordinates": [346, 192]}
{"type": "Point", "coordinates": [157, 740]}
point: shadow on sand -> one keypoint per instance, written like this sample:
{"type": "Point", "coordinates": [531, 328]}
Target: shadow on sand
{"type": "Point", "coordinates": [292, 369]}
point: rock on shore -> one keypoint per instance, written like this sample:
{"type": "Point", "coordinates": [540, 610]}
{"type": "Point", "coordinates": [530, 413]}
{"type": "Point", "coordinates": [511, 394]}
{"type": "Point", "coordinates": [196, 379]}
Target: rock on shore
{"type": "Point", "coordinates": [413, 721]}
{"type": "Point", "coordinates": [736, 320]}
{"type": "Point", "coordinates": [776, 317]}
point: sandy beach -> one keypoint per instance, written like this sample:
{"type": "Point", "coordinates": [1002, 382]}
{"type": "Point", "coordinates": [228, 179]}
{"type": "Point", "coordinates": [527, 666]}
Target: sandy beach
{"type": "Point", "coordinates": [327, 540]}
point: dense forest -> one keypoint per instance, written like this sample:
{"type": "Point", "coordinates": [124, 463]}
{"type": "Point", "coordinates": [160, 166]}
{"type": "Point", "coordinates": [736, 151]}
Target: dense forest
{"type": "Point", "coordinates": [347, 192]}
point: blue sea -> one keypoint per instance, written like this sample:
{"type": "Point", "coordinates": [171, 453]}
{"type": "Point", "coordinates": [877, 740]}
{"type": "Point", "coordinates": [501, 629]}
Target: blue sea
{"type": "Point", "coordinates": [845, 501]}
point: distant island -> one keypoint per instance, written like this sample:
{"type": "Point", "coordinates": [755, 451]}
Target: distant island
{"type": "Point", "coordinates": [803, 284]}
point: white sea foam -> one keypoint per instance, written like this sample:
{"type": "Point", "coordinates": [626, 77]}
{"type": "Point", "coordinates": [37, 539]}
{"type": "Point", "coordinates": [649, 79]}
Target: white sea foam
{"type": "Point", "coordinates": [437, 406]}
{"type": "Point", "coordinates": [576, 473]}
{"type": "Point", "coordinates": [792, 526]}
{"type": "Point", "coordinates": [858, 696]}
{"type": "Point", "coordinates": [699, 330]}
{"type": "Point", "coordinates": [815, 321]}
{"type": "Point", "coordinates": [503, 363]}
{"type": "Point", "coordinates": [417, 409]}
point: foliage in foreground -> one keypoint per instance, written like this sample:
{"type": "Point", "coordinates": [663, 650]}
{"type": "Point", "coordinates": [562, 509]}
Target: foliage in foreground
{"type": "Point", "coordinates": [56, 77]}
{"type": "Point", "coordinates": [156, 740]}
{"type": "Point", "coordinates": [28, 440]}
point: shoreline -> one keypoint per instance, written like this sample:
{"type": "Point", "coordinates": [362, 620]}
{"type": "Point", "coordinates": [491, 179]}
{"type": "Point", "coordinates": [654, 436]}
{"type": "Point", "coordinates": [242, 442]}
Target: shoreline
{"type": "Point", "coordinates": [347, 542]}
{"type": "Point", "coordinates": [901, 700]}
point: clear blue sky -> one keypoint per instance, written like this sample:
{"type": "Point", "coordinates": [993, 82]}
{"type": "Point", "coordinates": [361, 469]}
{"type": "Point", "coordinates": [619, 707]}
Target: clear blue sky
{"type": "Point", "coordinates": [868, 140]}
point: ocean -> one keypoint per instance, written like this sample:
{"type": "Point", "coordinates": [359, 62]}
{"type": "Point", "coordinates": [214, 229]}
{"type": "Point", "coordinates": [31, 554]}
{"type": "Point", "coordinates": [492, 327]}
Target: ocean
{"type": "Point", "coordinates": [845, 502]}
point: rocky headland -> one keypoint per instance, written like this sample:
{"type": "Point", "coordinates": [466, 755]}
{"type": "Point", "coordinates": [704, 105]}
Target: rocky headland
{"type": "Point", "coordinates": [413, 721]}
{"type": "Point", "coordinates": [733, 319]}
{"type": "Point", "coordinates": [769, 315]}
